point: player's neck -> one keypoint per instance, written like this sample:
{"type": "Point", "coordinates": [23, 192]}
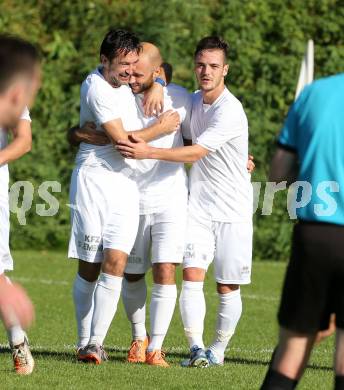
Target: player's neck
{"type": "Point", "coordinates": [209, 97]}
{"type": "Point", "coordinates": [114, 83]}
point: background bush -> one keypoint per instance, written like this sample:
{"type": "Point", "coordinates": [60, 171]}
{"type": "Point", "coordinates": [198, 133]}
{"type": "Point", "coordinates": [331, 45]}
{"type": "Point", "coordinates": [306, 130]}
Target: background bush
{"type": "Point", "coordinates": [267, 39]}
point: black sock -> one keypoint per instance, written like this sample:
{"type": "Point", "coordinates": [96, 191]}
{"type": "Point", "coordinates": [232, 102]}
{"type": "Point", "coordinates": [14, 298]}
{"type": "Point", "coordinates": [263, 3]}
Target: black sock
{"type": "Point", "coordinates": [277, 381]}
{"type": "Point", "coordinates": [339, 382]}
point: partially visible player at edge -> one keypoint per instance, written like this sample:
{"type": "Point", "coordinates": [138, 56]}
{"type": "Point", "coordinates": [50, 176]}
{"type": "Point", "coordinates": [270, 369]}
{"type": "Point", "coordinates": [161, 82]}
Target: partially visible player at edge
{"type": "Point", "coordinates": [19, 83]}
{"type": "Point", "coordinates": [310, 149]}
{"type": "Point", "coordinates": [220, 202]}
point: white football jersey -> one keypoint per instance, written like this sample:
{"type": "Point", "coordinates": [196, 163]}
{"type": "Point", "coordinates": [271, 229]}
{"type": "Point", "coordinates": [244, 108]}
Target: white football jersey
{"type": "Point", "coordinates": [220, 186]}
{"type": "Point", "coordinates": [165, 179]}
{"type": "Point", "coordinates": [101, 103]}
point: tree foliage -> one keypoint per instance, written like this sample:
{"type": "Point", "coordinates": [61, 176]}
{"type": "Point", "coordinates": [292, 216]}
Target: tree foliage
{"type": "Point", "coordinates": [267, 40]}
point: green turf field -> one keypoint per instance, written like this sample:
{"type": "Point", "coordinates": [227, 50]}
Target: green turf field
{"type": "Point", "coordinates": [48, 277]}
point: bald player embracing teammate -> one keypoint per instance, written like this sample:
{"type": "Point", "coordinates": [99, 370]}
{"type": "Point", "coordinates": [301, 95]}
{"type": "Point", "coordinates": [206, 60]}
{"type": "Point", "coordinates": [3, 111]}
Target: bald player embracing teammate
{"type": "Point", "coordinates": [162, 221]}
{"type": "Point", "coordinates": [220, 202]}
{"type": "Point", "coordinates": [104, 193]}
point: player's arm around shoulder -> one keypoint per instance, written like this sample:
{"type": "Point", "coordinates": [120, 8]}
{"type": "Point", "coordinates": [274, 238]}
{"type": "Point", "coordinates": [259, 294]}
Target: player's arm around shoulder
{"type": "Point", "coordinates": [104, 103]}
{"type": "Point", "coordinates": [21, 143]}
{"type": "Point", "coordinates": [88, 134]}
{"type": "Point", "coordinates": [136, 148]}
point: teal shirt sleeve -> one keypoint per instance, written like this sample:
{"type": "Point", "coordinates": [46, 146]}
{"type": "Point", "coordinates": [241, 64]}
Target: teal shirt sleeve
{"type": "Point", "coordinates": [288, 136]}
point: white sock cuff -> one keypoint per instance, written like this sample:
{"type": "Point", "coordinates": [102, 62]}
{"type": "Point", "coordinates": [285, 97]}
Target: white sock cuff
{"type": "Point", "coordinates": [229, 296]}
{"type": "Point", "coordinates": [134, 285]}
{"type": "Point", "coordinates": [134, 290]}
{"type": "Point", "coordinates": [164, 290]}
{"type": "Point", "coordinates": [197, 286]}
{"type": "Point", "coordinates": [83, 285]}
{"type": "Point", "coordinates": [110, 282]}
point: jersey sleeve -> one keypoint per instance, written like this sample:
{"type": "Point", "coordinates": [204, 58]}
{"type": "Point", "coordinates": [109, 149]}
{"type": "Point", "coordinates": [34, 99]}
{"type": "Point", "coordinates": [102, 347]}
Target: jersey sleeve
{"type": "Point", "coordinates": [103, 103]}
{"type": "Point", "coordinates": [185, 126]}
{"type": "Point", "coordinates": [226, 125]}
{"type": "Point", "coordinates": [287, 138]}
{"type": "Point", "coordinates": [26, 115]}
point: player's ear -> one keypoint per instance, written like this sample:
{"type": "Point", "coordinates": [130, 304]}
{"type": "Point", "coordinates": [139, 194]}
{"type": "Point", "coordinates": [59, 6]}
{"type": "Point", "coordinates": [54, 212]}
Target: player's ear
{"type": "Point", "coordinates": [104, 61]}
{"type": "Point", "coordinates": [17, 94]}
{"type": "Point", "coordinates": [158, 72]}
{"type": "Point", "coordinates": [225, 70]}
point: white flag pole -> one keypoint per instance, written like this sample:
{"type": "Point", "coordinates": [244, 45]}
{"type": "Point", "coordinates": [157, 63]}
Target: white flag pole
{"type": "Point", "coordinates": [307, 68]}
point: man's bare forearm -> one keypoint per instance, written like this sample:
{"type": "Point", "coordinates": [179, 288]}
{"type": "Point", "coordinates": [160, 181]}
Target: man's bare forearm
{"type": "Point", "coordinates": [284, 166]}
{"type": "Point", "coordinates": [185, 154]}
{"type": "Point", "coordinates": [76, 135]}
{"type": "Point", "coordinates": [148, 133]}
{"type": "Point", "coordinates": [20, 145]}
{"type": "Point", "coordinates": [15, 150]}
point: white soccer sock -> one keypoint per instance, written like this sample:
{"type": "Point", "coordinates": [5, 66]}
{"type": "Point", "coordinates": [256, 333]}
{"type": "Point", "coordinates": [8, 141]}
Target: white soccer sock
{"type": "Point", "coordinates": [134, 295]}
{"type": "Point", "coordinates": [15, 333]}
{"type": "Point", "coordinates": [192, 309]}
{"type": "Point", "coordinates": [229, 312]}
{"type": "Point", "coordinates": [106, 297]}
{"type": "Point", "coordinates": [162, 306]}
{"type": "Point", "coordinates": [83, 302]}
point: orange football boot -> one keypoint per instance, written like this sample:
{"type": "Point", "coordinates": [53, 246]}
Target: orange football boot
{"type": "Point", "coordinates": [156, 358]}
{"type": "Point", "coordinates": [137, 351]}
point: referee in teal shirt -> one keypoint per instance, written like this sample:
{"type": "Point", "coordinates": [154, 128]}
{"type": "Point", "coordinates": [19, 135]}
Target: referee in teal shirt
{"type": "Point", "coordinates": [310, 156]}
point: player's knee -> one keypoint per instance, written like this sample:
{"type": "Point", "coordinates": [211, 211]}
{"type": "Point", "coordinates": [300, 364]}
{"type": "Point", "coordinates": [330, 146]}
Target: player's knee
{"type": "Point", "coordinates": [192, 274]}
{"type": "Point", "coordinates": [164, 273]}
{"type": "Point", "coordinates": [114, 262]}
{"type": "Point", "coordinates": [133, 277]}
{"type": "Point", "coordinates": [89, 271]}
{"type": "Point", "coordinates": [226, 288]}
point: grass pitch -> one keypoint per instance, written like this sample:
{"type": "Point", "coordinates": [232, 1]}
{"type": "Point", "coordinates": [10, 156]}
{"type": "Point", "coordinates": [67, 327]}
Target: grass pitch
{"type": "Point", "coordinates": [48, 277]}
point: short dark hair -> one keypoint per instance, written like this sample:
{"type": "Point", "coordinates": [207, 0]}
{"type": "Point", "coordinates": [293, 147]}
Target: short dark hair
{"type": "Point", "coordinates": [119, 41]}
{"type": "Point", "coordinates": [212, 42]}
{"type": "Point", "coordinates": [17, 56]}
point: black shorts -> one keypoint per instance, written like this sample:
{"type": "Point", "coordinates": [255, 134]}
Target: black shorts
{"type": "Point", "coordinates": [314, 282]}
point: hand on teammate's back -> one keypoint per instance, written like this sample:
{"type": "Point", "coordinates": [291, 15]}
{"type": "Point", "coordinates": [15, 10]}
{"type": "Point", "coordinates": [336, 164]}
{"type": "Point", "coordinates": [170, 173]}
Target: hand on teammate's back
{"type": "Point", "coordinates": [170, 121]}
{"type": "Point", "coordinates": [87, 133]}
{"type": "Point", "coordinates": [250, 164]}
{"type": "Point", "coordinates": [15, 305]}
{"type": "Point", "coordinates": [99, 138]}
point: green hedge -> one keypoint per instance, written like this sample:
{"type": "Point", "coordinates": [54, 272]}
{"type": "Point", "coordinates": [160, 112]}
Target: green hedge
{"type": "Point", "coordinates": [267, 39]}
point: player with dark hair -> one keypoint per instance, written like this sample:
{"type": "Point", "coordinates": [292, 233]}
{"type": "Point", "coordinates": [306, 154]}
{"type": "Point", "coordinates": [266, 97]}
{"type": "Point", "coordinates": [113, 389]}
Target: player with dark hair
{"type": "Point", "coordinates": [19, 82]}
{"type": "Point", "coordinates": [220, 202]}
{"type": "Point", "coordinates": [103, 192]}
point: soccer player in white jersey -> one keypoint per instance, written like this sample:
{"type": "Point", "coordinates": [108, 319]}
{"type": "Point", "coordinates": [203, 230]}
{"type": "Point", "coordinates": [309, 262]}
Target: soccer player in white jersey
{"type": "Point", "coordinates": [19, 82]}
{"type": "Point", "coordinates": [162, 221]}
{"type": "Point", "coordinates": [220, 202]}
{"type": "Point", "coordinates": [103, 194]}
{"type": "Point", "coordinates": [160, 240]}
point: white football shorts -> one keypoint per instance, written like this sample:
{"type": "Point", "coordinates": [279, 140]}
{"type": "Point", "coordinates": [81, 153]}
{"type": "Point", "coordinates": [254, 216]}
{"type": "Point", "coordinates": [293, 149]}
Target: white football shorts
{"type": "Point", "coordinates": [6, 262]}
{"type": "Point", "coordinates": [229, 245]}
{"type": "Point", "coordinates": [160, 237]}
{"type": "Point", "coordinates": [104, 213]}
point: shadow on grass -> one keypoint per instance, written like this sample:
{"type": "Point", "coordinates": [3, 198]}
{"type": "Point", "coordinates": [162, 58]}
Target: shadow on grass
{"type": "Point", "coordinates": [256, 362]}
{"type": "Point", "coordinates": [67, 356]}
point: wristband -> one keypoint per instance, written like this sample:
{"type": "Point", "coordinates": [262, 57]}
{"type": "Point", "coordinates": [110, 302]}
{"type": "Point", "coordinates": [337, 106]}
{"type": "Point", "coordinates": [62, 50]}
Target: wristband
{"type": "Point", "coordinates": [160, 81]}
